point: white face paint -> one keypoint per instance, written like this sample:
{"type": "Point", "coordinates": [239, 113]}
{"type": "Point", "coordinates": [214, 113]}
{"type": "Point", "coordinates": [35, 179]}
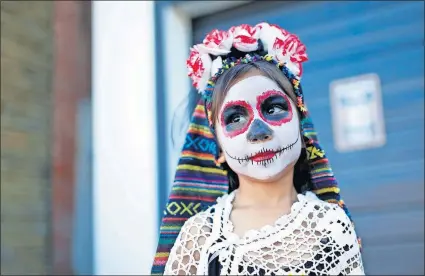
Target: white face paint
{"type": "Point", "coordinates": [258, 128]}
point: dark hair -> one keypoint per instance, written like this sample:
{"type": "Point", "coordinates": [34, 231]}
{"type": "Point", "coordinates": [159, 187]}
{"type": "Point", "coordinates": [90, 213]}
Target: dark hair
{"type": "Point", "coordinates": [264, 68]}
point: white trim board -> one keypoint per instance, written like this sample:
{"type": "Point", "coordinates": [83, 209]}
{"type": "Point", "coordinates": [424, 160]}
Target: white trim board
{"type": "Point", "coordinates": [124, 164]}
{"type": "Point", "coordinates": [194, 9]}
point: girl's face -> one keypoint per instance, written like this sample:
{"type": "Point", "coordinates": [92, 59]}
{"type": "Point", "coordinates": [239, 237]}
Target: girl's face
{"type": "Point", "coordinates": [258, 128]}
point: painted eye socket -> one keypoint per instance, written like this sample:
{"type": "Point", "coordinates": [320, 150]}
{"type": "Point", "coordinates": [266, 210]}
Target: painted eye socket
{"type": "Point", "coordinates": [274, 105]}
{"type": "Point", "coordinates": [235, 119]}
{"type": "Point", "coordinates": [235, 115]}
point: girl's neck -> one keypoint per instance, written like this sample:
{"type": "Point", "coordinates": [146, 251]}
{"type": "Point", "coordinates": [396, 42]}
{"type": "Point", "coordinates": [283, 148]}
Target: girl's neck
{"type": "Point", "coordinates": [254, 193]}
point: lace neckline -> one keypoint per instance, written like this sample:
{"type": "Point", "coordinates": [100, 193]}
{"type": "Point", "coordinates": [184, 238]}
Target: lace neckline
{"type": "Point", "coordinates": [253, 234]}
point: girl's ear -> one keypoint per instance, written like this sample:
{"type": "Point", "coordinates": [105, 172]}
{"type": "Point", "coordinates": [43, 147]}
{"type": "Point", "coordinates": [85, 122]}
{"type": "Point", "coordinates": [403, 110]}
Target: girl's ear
{"type": "Point", "coordinates": [303, 145]}
{"type": "Point", "coordinates": [222, 158]}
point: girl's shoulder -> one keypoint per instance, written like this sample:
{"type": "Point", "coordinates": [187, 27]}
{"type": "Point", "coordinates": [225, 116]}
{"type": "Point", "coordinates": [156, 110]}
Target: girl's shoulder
{"type": "Point", "coordinates": [331, 220]}
{"type": "Point", "coordinates": [322, 209]}
{"type": "Point", "coordinates": [203, 221]}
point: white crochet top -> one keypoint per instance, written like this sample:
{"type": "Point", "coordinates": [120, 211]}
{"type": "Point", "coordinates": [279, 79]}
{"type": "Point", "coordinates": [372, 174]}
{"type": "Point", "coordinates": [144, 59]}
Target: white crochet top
{"type": "Point", "coordinates": [315, 238]}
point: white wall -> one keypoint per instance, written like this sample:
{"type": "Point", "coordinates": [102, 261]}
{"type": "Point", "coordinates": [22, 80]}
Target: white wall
{"type": "Point", "coordinates": [124, 137]}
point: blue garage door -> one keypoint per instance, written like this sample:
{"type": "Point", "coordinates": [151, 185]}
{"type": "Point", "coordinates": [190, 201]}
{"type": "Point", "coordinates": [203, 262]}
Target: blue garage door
{"type": "Point", "coordinates": [383, 187]}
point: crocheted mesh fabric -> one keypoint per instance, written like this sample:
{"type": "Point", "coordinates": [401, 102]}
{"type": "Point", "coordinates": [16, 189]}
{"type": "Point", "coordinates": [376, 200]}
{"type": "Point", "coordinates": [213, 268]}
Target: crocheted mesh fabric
{"type": "Point", "coordinates": [315, 238]}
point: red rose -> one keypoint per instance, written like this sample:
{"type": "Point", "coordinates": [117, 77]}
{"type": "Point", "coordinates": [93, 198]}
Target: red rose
{"type": "Point", "coordinates": [245, 37]}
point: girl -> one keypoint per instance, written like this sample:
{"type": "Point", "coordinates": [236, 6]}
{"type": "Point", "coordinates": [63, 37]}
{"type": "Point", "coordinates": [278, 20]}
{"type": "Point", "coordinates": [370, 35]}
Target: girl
{"type": "Point", "coordinates": [254, 193]}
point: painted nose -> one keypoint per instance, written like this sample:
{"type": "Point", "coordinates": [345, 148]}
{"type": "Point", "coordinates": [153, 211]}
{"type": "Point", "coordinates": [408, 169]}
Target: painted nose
{"type": "Point", "coordinates": [259, 132]}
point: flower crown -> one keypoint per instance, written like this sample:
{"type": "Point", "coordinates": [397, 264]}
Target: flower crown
{"type": "Point", "coordinates": [218, 47]}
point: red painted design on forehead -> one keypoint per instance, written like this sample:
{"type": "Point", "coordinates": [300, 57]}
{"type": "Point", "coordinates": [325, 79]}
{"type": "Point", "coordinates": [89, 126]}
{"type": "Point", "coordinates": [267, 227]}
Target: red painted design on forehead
{"type": "Point", "coordinates": [267, 94]}
{"type": "Point", "coordinates": [243, 104]}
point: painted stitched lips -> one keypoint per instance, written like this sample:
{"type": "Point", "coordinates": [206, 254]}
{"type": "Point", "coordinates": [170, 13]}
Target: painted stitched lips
{"type": "Point", "coordinates": [265, 156]}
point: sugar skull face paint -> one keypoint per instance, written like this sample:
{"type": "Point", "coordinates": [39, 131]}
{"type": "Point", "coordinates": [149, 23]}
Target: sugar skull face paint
{"type": "Point", "coordinates": [258, 128]}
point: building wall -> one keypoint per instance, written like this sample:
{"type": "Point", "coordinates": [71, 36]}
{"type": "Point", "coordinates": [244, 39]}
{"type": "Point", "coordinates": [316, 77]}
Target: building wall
{"type": "Point", "coordinates": [26, 110]}
{"type": "Point", "coordinates": [72, 88]}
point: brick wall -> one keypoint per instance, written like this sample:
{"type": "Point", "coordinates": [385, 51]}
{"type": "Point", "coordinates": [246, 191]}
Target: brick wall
{"type": "Point", "coordinates": [26, 136]}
